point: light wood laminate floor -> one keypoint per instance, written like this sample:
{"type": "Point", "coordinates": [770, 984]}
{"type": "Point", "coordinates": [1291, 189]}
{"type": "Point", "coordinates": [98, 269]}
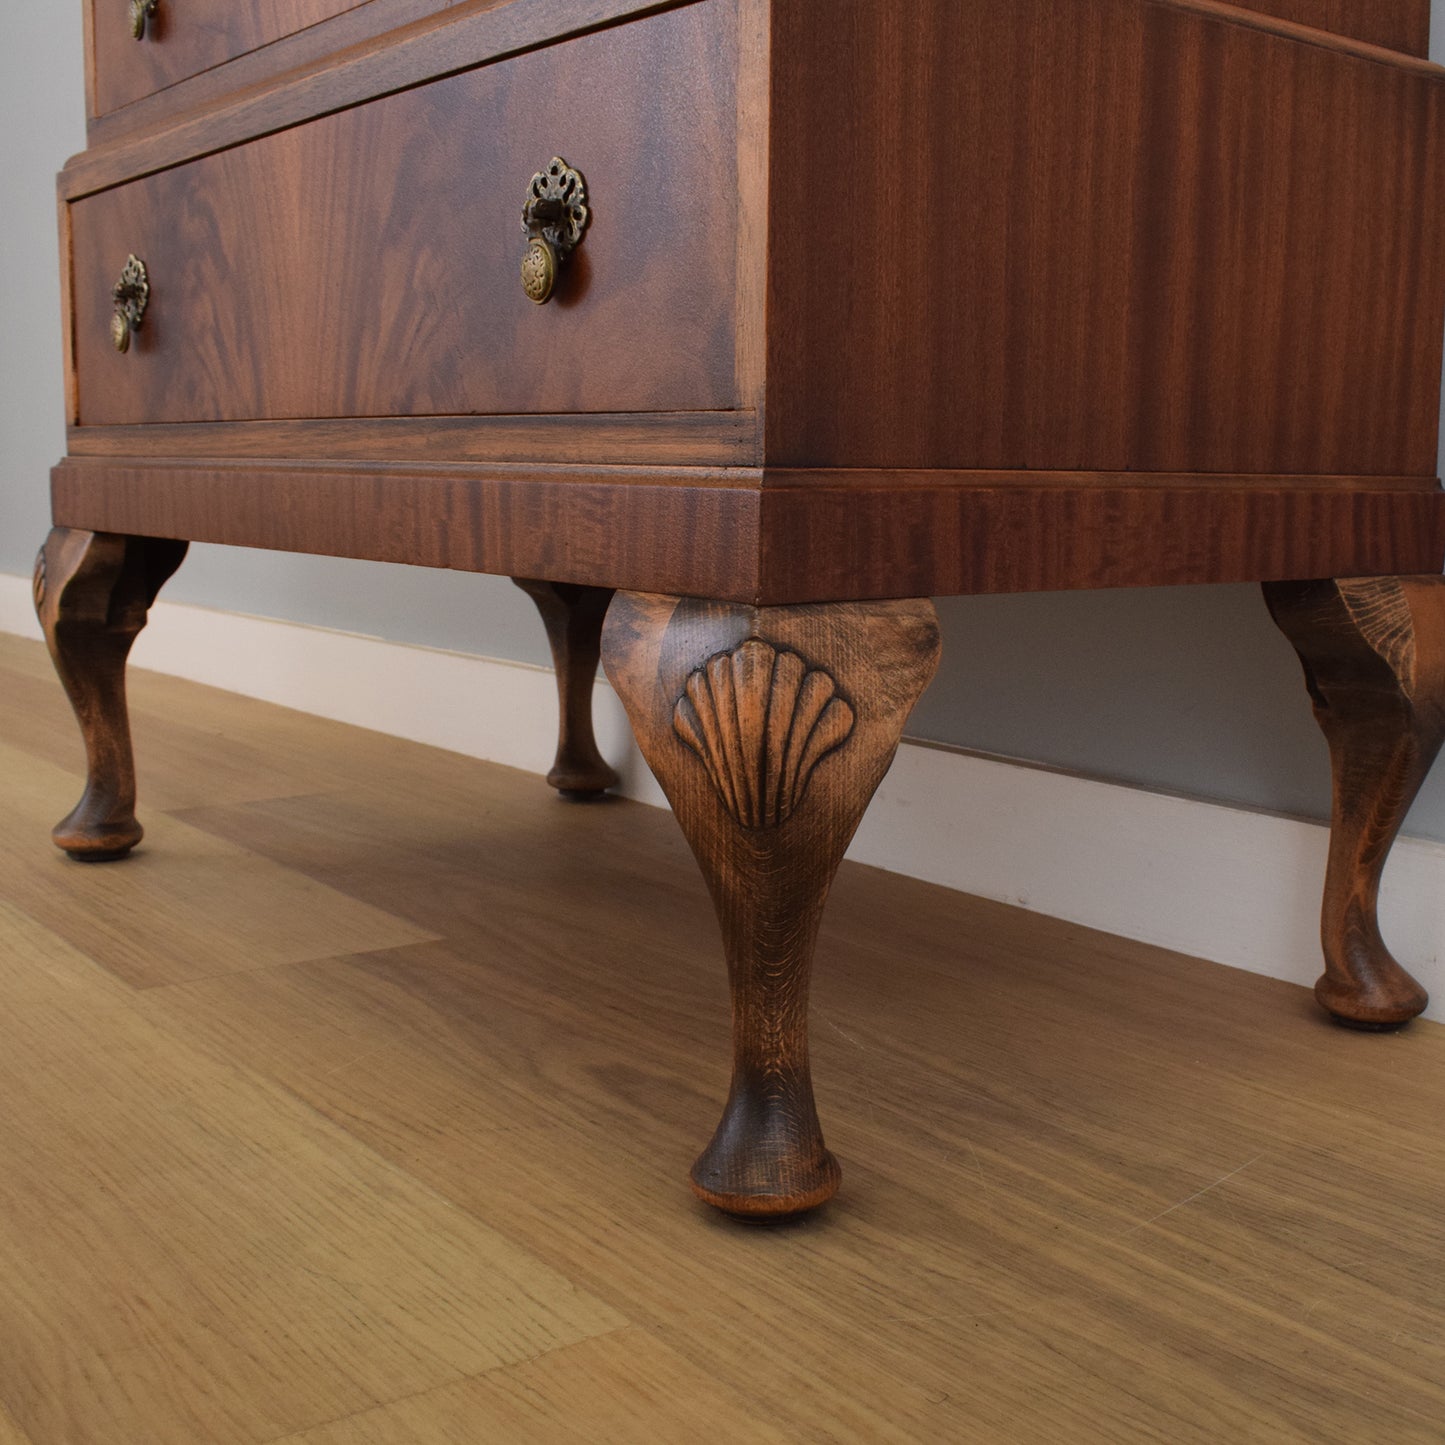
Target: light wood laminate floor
{"type": "Point", "coordinates": [356, 1109]}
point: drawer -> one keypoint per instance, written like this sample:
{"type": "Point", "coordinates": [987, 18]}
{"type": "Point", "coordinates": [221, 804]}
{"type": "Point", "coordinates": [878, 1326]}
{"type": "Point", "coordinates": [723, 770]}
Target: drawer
{"type": "Point", "coordinates": [368, 263]}
{"type": "Point", "coordinates": [184, 37]}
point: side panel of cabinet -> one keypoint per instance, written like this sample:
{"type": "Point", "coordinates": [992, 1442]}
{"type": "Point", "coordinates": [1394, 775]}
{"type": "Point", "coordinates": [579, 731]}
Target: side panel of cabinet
{"type": "Point", "coordinates": [1112, 235]}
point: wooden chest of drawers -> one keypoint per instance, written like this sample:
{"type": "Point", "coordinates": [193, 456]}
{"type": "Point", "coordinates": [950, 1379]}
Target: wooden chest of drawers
{"type": "Point", "coordinates": [851, 301]}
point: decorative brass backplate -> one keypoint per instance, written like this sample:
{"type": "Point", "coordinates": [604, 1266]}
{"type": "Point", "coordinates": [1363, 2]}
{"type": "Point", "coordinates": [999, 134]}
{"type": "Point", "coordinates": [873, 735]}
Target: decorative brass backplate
{"type": "Point", "coordinates": [140, 12]}
{"type": "Point", "coordinates": [132, 294]}
{"type": "Point", "coordinates": [554, 218]}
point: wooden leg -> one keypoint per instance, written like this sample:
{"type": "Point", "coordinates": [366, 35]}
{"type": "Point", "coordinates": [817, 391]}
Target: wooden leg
{"type": "Point", "coordinates": [769, 728]}
{"type": "Point", "coordinates": [1373, 650]}
{"type": "Point", "coordinates": [573, 619]}
{"type": "Point", "coordinates": [92, 592]}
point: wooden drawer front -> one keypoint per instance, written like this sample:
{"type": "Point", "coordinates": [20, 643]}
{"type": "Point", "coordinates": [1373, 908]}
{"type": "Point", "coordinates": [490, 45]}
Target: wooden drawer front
{"type": "Point", "coordinates": [367, 263]}
{"type": "Point", "coordinates": [185, 37]}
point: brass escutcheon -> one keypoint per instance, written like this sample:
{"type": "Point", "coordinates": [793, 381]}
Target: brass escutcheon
{"type": "Point", "coordinates": [553, 219]}
{"type": "Point", "coordinates": [131, 294]}
{"type": "Point", "coordinates": [140, 12]}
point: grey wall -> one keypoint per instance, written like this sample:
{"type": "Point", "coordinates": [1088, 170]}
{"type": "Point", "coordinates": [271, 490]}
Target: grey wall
{"type": "Point", "coordinates": [1186, 689]}
{"type": "Point", "coordinates": [42, 121]}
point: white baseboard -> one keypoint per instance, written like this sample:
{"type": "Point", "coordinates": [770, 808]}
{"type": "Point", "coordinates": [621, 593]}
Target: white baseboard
{"type": "Point", "coordinates": [1230, 884]}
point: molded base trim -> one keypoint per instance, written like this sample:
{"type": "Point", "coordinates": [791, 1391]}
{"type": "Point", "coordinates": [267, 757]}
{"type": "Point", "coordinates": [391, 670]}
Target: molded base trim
{"type": "Point", "coordinates": [763, 536]}
{"type": "Point", "coordinates": [1231, 884]}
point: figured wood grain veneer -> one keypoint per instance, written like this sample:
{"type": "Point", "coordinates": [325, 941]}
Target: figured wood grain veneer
{"type": "Point", "coordinates": [727, 533]}
{"type": "Point", "coordinates": [366, 264]}
{"type": "Point", "coordinates": [183, 38]}
{"type": "Point", "coordinates": [588, 525]}
{"type": "Point", "coordinates": [456, 37]}
{"type": "Point", "coordinates": [1099, 236]}
{"type": "Point", "coordinates": [705, 440]}
{"type": "Point", "coordinates": [317, 45]}
{"type": "Point", "coordinates": [1357, 25]}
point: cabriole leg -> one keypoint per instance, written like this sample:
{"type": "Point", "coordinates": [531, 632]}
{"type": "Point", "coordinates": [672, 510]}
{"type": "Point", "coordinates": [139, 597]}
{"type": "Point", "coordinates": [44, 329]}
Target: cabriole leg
{"type": "Point", "coordinates": [573, 617]}
{"type": "Point", "coordinates": [769, 728]}
{"type": "Point", "coordinates": [1373, 650]}
{"type": "Point", "coordinates": [92, 593]}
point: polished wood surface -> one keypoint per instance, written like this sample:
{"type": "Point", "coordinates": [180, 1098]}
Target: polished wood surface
{"type": "Point", "coordinates": [302, 50]}
{"type": "Point", "coordinates": [411, 1171]}
{"type": "Point", "coordinates": [315, 51]}
{"type": "Point", "coordinates": [1374, 656]}
{"type": "Point", "coordinates": [266, 91]}
{"type": "Point", "coordinates": [862, 539]}
{"type": "Point", "coordinates": [1107, 236]}
{"type": "Point", "coordinates": [92, 593]}
{"type": "Point", "coordinates": [769, 730]}
{"type": "Point", "coordinates": [704, 439]}
{"type": "Point", "coordinates": [1395, 24]}
{"type": "Point", "coordinates": [745, 535]}
{"type": "Point", "coordinates": [466, 33]}
{"type": "Point", "coordinates": [573, 619]}
{"type": "Point", "coordinates": [693, 531]}
{"type": "Point", "coordinates": [366, 264]}
{"type": "Point", "coordinates": [1246, 63]}
{"type": "Point", "coordinates": [185, 37]}
{"type": "Point", "coordinates": [1252, 322]}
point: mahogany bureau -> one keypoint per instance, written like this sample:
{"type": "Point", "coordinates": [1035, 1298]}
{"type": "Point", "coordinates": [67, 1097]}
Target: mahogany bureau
{"type": "Point", "coordinates": [779, 317]}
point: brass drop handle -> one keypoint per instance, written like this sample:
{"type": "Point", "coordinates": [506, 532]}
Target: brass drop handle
{"type": "Point", "coordinates": [131, 294]}
{"type": "Point", "coordinates": [141, 11]}
{"type": "Point", "coordinates": [553, 219]}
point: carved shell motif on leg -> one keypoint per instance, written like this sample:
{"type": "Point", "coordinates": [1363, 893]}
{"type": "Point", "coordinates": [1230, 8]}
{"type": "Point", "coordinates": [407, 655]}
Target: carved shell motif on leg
{"type": "Point", "coordinates": [761, 720]}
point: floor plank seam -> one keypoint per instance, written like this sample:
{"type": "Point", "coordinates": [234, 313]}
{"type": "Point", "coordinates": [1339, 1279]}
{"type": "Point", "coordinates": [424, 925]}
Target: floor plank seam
{"type": "Point", "coordinates": [295, 1436]}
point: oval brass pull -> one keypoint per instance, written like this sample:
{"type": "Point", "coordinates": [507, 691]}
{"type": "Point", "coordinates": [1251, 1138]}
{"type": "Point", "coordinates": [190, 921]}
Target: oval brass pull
{"type": "Point", "coordinates": [131, 294]}
{"type": "Point", "coordinates": [140, 12]}
{"type": "Point", "coordinates": [554, 219]}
